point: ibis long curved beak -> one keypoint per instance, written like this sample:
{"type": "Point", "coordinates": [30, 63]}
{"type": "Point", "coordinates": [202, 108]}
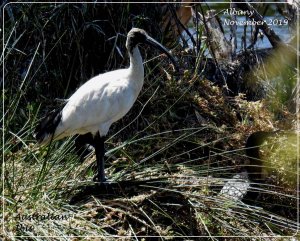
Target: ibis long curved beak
{"type": "Point", "coordinates": [152, 42]}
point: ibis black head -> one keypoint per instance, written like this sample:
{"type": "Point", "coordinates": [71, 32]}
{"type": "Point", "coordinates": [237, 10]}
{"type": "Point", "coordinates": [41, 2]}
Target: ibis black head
{"type": "Point", "coordinates": [136, 36]}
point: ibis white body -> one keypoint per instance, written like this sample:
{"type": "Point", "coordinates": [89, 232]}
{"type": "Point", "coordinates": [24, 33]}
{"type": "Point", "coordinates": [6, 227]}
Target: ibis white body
{"type": "Point", "coordinates": [101, 101]}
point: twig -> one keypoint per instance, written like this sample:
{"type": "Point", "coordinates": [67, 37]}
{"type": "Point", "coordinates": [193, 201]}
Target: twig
{"type": "Point", "coordinates": [255, 16]}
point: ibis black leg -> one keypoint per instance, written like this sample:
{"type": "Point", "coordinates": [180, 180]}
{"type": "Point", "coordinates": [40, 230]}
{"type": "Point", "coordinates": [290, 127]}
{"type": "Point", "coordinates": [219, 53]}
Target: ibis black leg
{"type": "Point", "coordinates": [100, 151]}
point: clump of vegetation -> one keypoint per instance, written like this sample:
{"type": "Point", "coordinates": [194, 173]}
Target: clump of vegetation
{"type": "Point", "coordinates": [170, 155]}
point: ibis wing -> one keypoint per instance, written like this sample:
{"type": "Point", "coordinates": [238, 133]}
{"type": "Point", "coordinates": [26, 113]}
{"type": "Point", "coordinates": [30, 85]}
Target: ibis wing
{"type": "Point", "coordinates": [100, 101]}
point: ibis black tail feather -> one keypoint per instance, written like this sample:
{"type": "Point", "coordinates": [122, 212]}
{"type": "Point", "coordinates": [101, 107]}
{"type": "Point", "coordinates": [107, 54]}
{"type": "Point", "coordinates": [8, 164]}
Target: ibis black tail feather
{"type": "Point", "coordinates": [47, 126]}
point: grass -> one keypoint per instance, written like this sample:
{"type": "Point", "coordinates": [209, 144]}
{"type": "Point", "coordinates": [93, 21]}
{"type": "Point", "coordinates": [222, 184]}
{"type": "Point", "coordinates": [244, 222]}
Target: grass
{"type": "Point", "coordinates": [171, 154]}
{"type": "Point", "coordinates": [43, 180]}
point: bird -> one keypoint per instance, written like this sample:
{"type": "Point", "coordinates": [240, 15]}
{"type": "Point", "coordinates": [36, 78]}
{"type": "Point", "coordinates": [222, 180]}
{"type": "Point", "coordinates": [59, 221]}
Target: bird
{"type": "Point", "coordinates": [238, 186]}
{"type": "Point", "coordinates": [101, 101]}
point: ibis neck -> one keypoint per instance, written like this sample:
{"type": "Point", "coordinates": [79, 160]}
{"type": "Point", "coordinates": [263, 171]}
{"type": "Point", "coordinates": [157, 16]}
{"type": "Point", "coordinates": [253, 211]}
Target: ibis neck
{"type": "Point", "coordinates": [136, 65]}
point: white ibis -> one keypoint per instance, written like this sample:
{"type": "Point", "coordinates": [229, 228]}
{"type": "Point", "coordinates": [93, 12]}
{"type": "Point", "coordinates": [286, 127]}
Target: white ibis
{"type": "Point", "coordinates": [101, 101]}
